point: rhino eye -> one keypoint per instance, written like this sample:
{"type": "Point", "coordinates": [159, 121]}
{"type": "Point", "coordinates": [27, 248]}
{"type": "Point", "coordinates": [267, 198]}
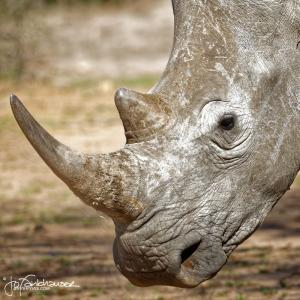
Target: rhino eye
{"type": "Point", "coordinates": [227, 122]}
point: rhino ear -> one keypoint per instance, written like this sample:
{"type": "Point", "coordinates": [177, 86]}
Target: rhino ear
{"type": "Point", "coordinates": [143, 115]}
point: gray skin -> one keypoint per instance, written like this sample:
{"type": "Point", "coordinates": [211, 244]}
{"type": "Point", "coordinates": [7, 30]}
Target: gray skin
{"type": "Point", "coordinates": [210, 149]}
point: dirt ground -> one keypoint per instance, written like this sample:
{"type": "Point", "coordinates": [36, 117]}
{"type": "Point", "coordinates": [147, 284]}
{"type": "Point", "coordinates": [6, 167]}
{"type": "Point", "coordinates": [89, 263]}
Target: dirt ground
{"type": "Point", "coordinates": [46, 231]}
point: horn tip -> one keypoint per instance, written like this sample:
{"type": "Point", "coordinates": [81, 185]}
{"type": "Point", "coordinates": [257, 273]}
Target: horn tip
{"type": "Point", "coordinates": [14, 101]}
{"type": "Point", "coordinates": [13, 98]}
{"type": "Point", "coordinates": [121, 95]}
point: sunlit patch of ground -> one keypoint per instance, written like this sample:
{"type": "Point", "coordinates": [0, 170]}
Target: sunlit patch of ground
{"type": "Point", "coordinates": [46, 231]}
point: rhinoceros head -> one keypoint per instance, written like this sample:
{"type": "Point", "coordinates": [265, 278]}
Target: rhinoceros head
{"type": "Point", "coordinates": [210, 149]}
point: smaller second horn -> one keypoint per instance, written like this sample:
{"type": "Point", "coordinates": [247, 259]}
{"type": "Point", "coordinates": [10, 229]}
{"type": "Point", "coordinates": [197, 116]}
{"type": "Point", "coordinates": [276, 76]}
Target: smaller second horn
{"type": "Point", "coordinates": [143, 115]}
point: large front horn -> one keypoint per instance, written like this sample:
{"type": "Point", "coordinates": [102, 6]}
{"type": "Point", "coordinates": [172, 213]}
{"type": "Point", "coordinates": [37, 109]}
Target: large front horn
{"type": "Point", "coordinates": [96, 179]}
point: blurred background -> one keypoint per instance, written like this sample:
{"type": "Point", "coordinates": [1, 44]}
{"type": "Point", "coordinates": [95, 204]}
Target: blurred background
{"type": "Point", "coordinates": [65, 59]}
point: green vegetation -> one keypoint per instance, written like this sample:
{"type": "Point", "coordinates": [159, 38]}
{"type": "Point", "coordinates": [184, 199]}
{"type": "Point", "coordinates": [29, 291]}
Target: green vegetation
{"type": "Point", "coordinates": [31, 190]}
{"type": "Point", "coordinates": [18, 264]}
{"type": "Point", "coordinates": [23, 216]}
{"type": "Point", "coordinates": [145, 81]}
{"type": "Point", "coordinates": [235, 283]}
{"type": "Point", "coordinates": [240, 297]}
{"type": "Point", "coordinates": [64, 261]}
{"type": "Point", "coordinates": [96, 292]}
{"type": "Point", "coordinates": [268, 291]}
{"type": "Point", "coordinates": [137, 82]}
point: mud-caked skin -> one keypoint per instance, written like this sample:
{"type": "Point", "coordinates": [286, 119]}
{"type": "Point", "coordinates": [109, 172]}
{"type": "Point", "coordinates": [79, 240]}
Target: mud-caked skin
{"type": "Point", "coordinates": [210, 149]}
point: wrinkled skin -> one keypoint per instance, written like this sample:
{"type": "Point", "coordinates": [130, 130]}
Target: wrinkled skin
{"type": "Point", "coordinates": [220, 150]}
{"type": "Point", "coordinates": [202, 183]}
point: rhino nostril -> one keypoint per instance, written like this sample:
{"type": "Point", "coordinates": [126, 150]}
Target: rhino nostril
{"type": "Point", "coordinates": [189, 251]}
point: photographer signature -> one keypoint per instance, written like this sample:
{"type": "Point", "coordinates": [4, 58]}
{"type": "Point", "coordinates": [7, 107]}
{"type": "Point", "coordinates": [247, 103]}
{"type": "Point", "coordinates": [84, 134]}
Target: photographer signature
{"type": "Point", "coordinates": [31, 283]}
